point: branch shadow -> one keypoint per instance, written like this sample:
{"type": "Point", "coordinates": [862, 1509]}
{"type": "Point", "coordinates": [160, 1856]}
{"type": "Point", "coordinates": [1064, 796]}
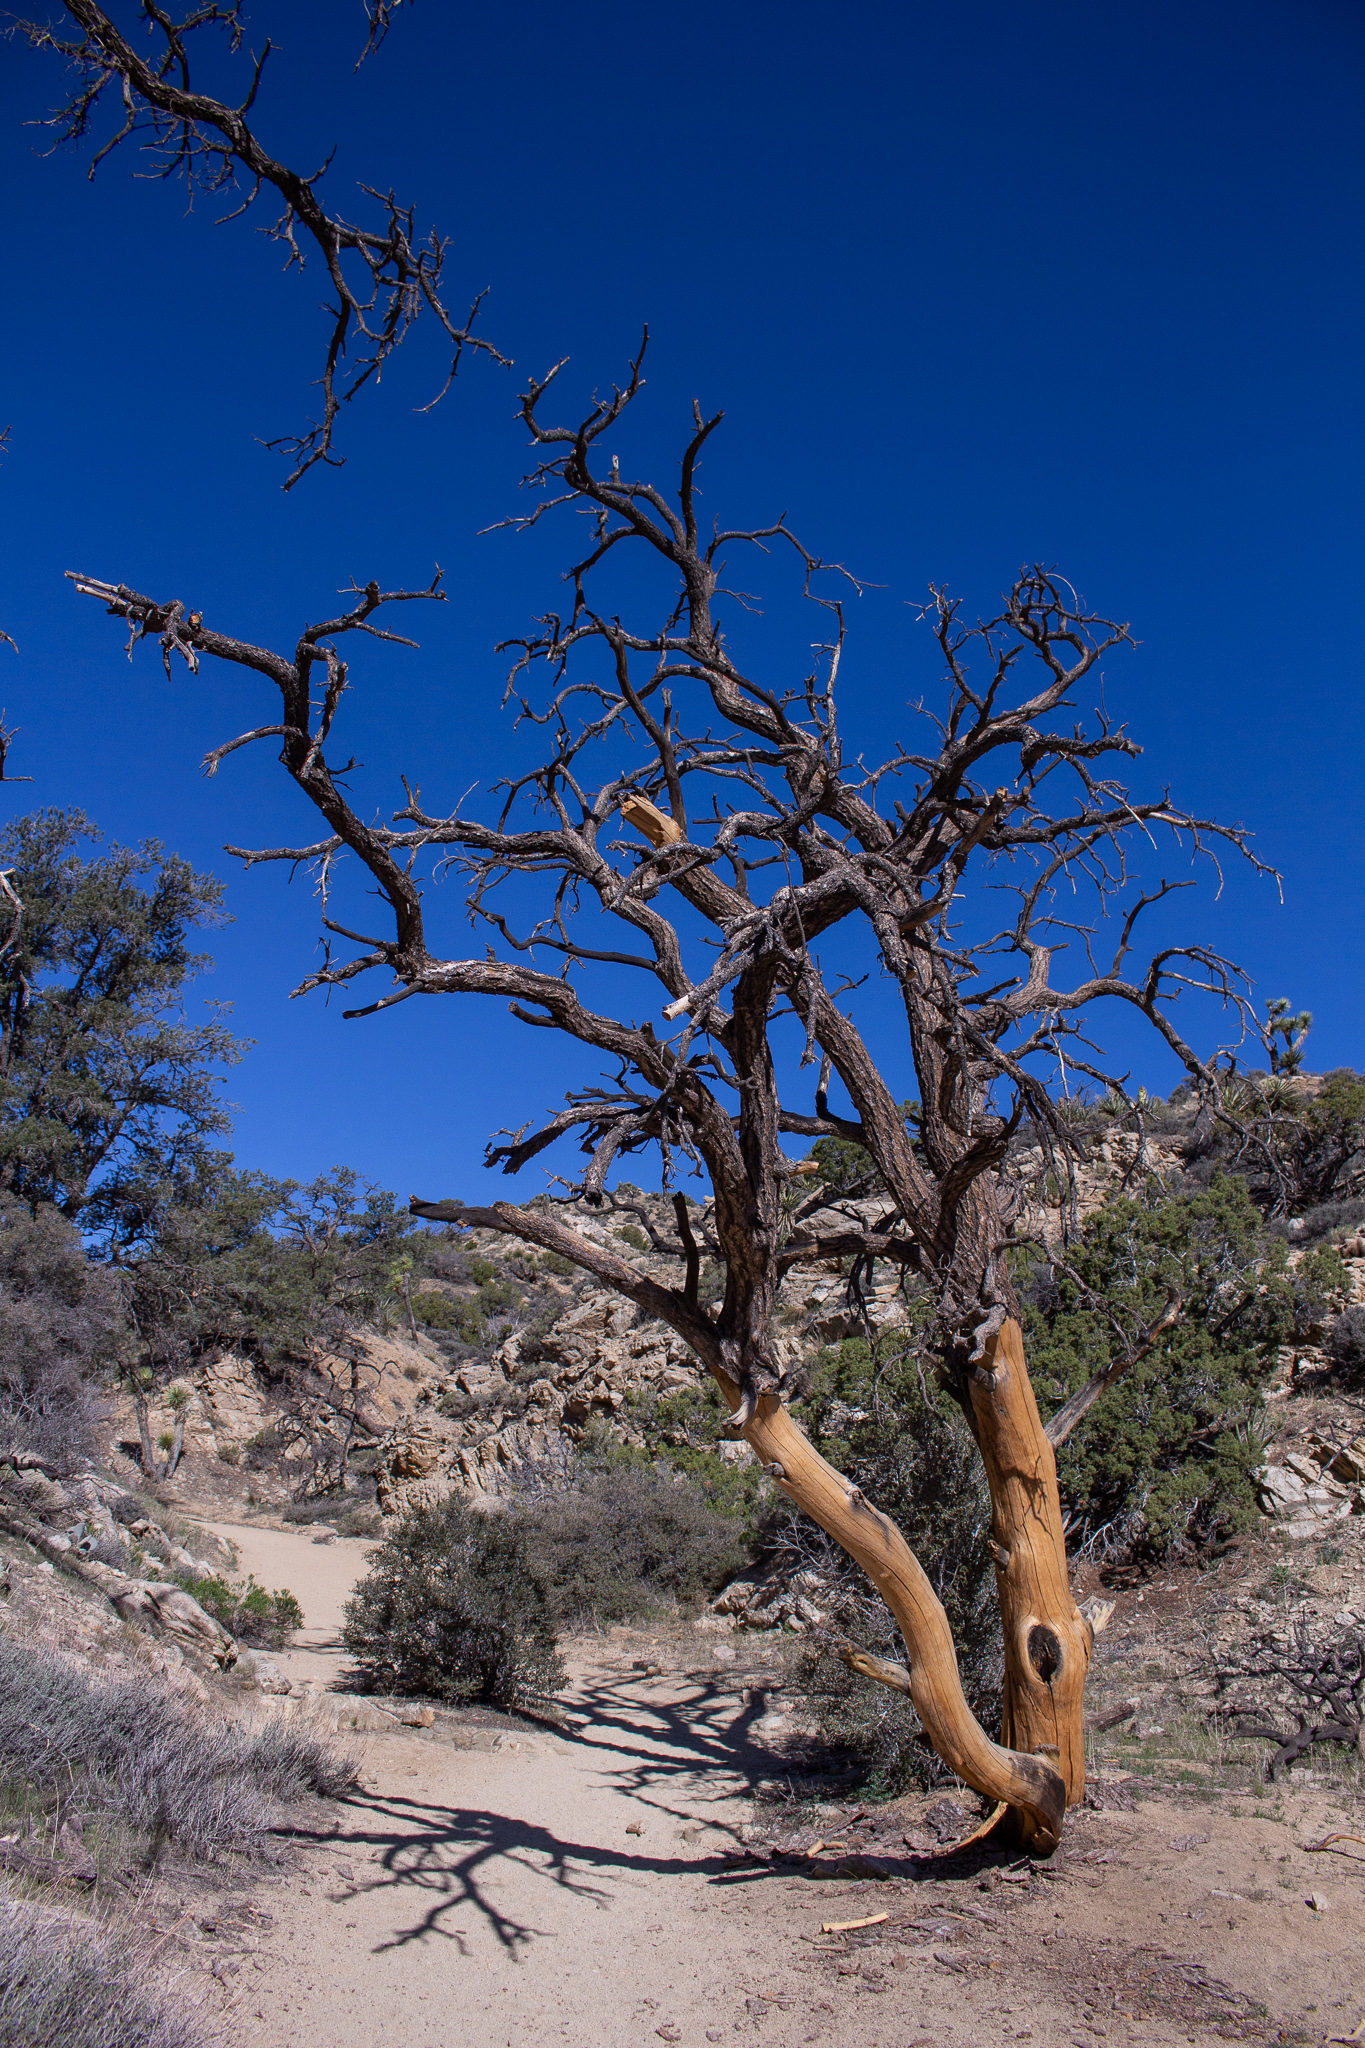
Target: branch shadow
{"type": "Point", "coordinates": [666, 1754]}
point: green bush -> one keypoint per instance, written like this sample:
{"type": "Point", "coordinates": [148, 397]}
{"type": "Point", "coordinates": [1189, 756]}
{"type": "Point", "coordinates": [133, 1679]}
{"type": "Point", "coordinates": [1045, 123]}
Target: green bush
{"type": "Point", "coordinates": [494, 1295]}
{"type": "Point", "coordinates": [1163, 1462]}
{"type": "Point", "coordinates": [436, 1311]}
{"type": "Point", "coordinates": [248, 1612]}
{"type": "Point", "coordinates": [620, 1543]}
{"type": "Point", "coordinates": [681, 1429]}
{"type": "Point", "coordinates": [451, 1609]}
{"type": "Point", "coordinates": [631, 1234]}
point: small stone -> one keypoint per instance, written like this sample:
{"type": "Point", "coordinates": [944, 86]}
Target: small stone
{"type": "Point", "coordinates": [668, 2032]}
{"type": "Point", "coordinates": [1317, 1902]}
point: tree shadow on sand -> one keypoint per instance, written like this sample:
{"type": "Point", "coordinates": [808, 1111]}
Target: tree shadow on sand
{"type": "Point", "coordinates": [689, 1746]}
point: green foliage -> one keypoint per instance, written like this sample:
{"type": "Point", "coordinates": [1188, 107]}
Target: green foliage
{"type": "Point", "coordinates": [1163, 1461]}
{"type": "Point", "coordinates": [1300, 1145]}
{"type": "Point", "coordinates": [1285, 1035]}
{"type": "Point", "coordinates": [61, 1328]}
{"type": "Point", "coordinates": [452, 1609]}
{"type": "Point", "coordinates": [556, 1263]}
{"type": "Point", "coordinates": [681, 1429]}
{"type": "Point", "coordinates": [276, 1268]}
{"type": "Point", "coordinates": [481, 1270]}
{"type": "Point", "coordinates": [104, 1087]}
{"type": "Point", "coordinates": [631, 1234]}
{"type": "Point", "coordinates": [248, 1611]}
{"type": "Point", "coordinates": [496, 1295]}
{"type": "Point", "coordinates": [437, 1311]}
{"type": "Point", "coordinates": [621, 1543]}
{"type": "Point", "coordinates": [847, 1168]}
{"type": "Point", "coordinates": [872, 1412]}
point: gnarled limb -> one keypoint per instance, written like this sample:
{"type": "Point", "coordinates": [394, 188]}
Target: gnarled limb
{"type": "Point", "coordinates": [1029, 1783]}
{"type": "Point", "coordinates": [1083, 1400]}
{"type": "Point", "coordinates": [381, 277]}
{"type": "Point", "coordinates": [1048, 1640]}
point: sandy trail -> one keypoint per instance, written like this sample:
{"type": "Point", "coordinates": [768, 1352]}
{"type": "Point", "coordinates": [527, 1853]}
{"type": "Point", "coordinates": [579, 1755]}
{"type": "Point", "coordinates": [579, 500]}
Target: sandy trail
{"type": "Point", "coordinates": [505, 1883]}
{"type": "Point", "coordinates": [321, 1577]}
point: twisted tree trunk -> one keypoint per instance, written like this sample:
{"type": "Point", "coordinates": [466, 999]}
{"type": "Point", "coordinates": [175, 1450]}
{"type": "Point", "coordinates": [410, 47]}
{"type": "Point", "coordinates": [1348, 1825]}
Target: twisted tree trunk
{"type": "Point", "coordinates": [1038, 1769]}
{"type": "Point", "coordinates": [1047, 1639]}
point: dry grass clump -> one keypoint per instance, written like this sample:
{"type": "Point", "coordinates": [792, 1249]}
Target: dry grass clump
{"type": "Point", "coordinates": [64, 1982]}
{"type": "Point", "coordinates": [130, 1749]}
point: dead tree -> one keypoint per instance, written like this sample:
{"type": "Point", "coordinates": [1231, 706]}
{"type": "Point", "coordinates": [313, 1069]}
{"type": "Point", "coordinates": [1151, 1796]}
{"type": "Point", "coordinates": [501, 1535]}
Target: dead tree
{"type": "Point", "coordinates": [1316, 1679]}
{"type": "Point", "coordinates": [716, 817]}
{"type": "Point", "coordinates": [381, 277]}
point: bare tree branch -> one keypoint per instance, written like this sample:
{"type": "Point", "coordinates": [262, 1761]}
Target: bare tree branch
{"type": "Point", "coordinates": [717, 818]}
{"type": "Point", "coordinates": [382, 278]}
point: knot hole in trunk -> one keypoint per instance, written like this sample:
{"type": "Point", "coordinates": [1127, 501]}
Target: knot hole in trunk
{"type": "Point", "coordinates": [1044, 1652]}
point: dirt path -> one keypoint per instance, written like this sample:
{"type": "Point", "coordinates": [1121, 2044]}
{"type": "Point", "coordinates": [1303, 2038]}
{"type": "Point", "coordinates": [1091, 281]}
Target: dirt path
{"type": "Point", "coordinates": [494, 1883]}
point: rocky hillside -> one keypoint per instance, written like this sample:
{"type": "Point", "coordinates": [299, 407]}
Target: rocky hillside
{"type": "Point", "coordinates": [510, 1359]}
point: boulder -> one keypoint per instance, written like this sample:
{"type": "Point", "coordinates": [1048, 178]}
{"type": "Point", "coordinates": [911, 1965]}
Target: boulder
{"type": "Point", "coordinates": [1281, 1489]}
{"type": "Point", "coordinates": [775, 1600]}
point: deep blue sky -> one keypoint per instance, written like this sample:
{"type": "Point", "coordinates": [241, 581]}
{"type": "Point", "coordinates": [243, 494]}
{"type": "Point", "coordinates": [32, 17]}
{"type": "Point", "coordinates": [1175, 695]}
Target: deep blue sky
{"type": "Point", "coordinates": [974, 285]}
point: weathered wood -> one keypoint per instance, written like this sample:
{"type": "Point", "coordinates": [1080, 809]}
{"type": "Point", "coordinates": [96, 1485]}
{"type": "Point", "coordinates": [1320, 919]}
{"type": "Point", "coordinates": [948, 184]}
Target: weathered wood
{"type": "Point", "coordinates": [1047, 1639]}
{"type": "Point", "coordinates": [1027, 1782]}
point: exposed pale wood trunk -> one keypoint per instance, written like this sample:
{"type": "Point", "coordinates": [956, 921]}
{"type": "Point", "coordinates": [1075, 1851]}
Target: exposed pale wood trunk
{"type": "Point", "coordinates": [1027, 1782]}
{"type": "Point", "coordinates": [1047, 1639]}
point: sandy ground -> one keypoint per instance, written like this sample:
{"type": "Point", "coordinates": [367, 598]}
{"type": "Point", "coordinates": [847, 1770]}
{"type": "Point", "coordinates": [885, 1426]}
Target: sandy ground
{"type": "Point", "coordinates": [503, 1883]}
{"type": "Point", "coordinates": [319, 1575]}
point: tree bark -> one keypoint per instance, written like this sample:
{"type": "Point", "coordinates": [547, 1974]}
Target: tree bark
{"type": "Point", "coordinates": [173, 1456]}
{"type": "Point", "coordinates": [151, 1464]}
{"type": "Point", "coordinates": [1047, 1639]}
{"type": "Point", "coordinates": [1025, 1780]}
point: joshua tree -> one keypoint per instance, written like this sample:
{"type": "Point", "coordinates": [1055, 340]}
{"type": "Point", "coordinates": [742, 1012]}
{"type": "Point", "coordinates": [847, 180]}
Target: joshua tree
{"type": "Point", "coordinates": [717, 817]}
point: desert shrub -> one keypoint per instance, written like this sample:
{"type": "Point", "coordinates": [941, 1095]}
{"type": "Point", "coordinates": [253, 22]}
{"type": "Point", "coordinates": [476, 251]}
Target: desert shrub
{"type": "Point", "coordinates": [631, 1234]}
{"type": "Point", "coordinates": [60, 1319]}
{"type": "Point", "coordinates": [614, 1544]}
{"type": "Point", "coordinates": [877, 1729]}
{"type": "Point", "coordinates": [130, 1748]}
{"type": "Point", "coordinates": [61, 1982]}
{"type": "Point", "coordinates": [451, 1608]}
{"type": "Point", "coordinates": [495, 1296]}
{"type": "Point", "coordinates": [1302, 1153]}
{"type": "Point", "coordinates": [681, 1429]}
{"type": "Point", "coordinates": [248, 1612]}
{"type": "Point", "coordinates": [1163, 1462]}
{"type": "Point", "coordinates": [289, 1762]}
{"type": "Point", "coordinates": [1315, 1224]}
{"type": "Point", "coordinates": [1346, 1343]}
{"type": "Point", "coordinates": [875, 1414]}
{"type": "Point", "coordinates": [350, 1514]}
{"type": "Point", "coordinates": [437, 1311]}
